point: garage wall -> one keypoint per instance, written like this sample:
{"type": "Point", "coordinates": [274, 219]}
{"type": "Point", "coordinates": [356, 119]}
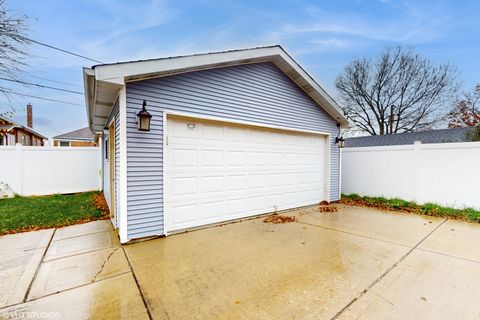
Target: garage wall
{"type": "Point", "coordinates": [105, 169]}
{"type": "Point", "coordinates": [113, 117]}
{"type": "Point", "coordinates": [258, 93]}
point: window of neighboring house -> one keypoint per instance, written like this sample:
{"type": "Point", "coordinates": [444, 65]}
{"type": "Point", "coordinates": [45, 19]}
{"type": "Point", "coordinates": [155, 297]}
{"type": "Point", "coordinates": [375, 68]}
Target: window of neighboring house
{"type": "Point", "coordinates": [107, 147]}
{"type": "Point", "coordinates": [64, 144]}
{"type": "Point", "coordinates": [24, 141]}
{"type": "Point", "coordinates": [2, 140]}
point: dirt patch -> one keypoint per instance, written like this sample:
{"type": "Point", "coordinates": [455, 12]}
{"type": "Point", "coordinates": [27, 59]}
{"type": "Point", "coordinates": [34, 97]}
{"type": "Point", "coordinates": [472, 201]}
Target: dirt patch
{"type": "Point", "coordinates": [101, 204]}
{"type": "Point", "coordinates": [327, 209]}
{"type": "Point", "coordinates": [381, 206]}
{"type": "Point", "coordinates": [276, 218]}
{"type": "Point", "coordinates": [57, 225]}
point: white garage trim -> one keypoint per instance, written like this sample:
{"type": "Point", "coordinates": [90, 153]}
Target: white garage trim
{"type": "Point", "coordinates": [246, 123]}
{"type": "Point", "coordinates": [167, 113]}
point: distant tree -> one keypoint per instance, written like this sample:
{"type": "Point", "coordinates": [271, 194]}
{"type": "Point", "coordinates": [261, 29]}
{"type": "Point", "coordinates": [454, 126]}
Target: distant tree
{"type": "Point", "coordinates": [399, 91]}
{"type": "Point", "coordinates": [474, 133]}
{"type": "Point", "coordinates": [466, 111]}
{"type": "Point", "coordinates": [13, 49]}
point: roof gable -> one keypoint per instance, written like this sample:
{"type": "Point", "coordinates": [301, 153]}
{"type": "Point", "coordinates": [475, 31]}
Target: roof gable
{"type": "Point", "coordinates": [102, 82]}
{"type": "Point", "coordinates": [80, 134]}
{"type": "Point", "coordinates": [430, 136]}
{"type": "Point", "coordinates": [14, 125]}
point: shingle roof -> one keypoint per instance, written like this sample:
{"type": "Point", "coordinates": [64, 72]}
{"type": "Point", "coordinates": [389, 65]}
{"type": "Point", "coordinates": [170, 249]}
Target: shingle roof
{"type": "Point", "coordinates": [80, 134]}
{"type": "Point", "coordinates": [20, 126]}
{"type": "Point", "coordinates": [431, 136]}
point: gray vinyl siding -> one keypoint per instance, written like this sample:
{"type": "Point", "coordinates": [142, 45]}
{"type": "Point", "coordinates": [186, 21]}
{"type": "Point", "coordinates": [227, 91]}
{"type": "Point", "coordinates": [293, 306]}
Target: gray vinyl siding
{"type": "Point", "coordinates": [258, 93]}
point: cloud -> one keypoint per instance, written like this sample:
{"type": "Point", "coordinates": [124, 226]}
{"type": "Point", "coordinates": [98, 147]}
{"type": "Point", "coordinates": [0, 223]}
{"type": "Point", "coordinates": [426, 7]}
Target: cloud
{"type": "Point", "coordinates": [399, 22]}
{"type": "Point", "coordinates": [124, 18]}
{"type": "Point", "coordinates": [332, 42]}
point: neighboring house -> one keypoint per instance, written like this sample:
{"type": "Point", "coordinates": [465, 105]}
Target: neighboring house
{"type": "Point", "coordinates": [79, 138]}
{"type": "Point", "coordinates": [430, 136]}
{"type": "Point", "coordinates": [233, 134]}
{"type": "Point", "coordinates": [12, 132]}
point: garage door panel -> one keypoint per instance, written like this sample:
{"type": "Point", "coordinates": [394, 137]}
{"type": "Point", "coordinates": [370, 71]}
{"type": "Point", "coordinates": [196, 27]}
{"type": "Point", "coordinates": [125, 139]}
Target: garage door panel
{"type": "Point", "coordinates": [211, 158]}
{"type": "Point", "coordinates": [211, 210]}
{"type": "Point", "coordinates": [256, 204]}
{"type": "Point", "coordinates": [236, 135]}
{"type": "Point", "coordinates": [276, 138]}
{"type": "Point", "coordinates": [183, 214]}
{"type": "Point", "coordinates": [236, 158]}
{"type": "Point", "coordinates": [256, 181]}
{"type": "Point", "coordinates": [275, 179]}
{"type": "Point", "coordinates": [236, 182]}
{"type": "Point", "coordinates": [256, 158]}
{"type": "Point", "coordinates": [212, 184]}
{"type": "Point", "coordinates": [183, 186]}
{"type": "Point", "coordinates": [184, 157]}
{"type": "Point", "coordinates": [275, 159]}
{"type": "Point", "coordinates": [181, 132]}
{"type": "Point", "coordinates": [220, 171]}
{"type": "Point", "coordinates": [257, 137]}
{"type": "Point", "coordinates": [235, 206]}
{"type": "Point", "coordinates": [212, 132]}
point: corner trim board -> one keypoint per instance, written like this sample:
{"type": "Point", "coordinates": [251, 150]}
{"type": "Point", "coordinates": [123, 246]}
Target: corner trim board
{"type": "Point", "coordinates": [123, 165]}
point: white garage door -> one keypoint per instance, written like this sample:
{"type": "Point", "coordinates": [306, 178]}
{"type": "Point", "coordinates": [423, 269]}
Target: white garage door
{"type": "Point", "coordinates": [217, 171]}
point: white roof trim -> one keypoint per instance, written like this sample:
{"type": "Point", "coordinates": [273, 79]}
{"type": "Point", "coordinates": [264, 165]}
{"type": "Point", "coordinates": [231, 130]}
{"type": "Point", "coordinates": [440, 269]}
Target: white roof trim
{"type": "Point", "coordinates": [74, 139]}
{"type": "Point", "coordinates": [102, 78]}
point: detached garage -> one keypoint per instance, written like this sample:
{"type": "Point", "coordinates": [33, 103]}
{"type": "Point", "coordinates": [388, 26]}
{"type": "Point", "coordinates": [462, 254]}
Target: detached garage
{"type": "Point", "coordinates": [197, 140]}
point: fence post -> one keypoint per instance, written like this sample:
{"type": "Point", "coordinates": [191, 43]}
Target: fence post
{"type": "Point", "coordinates": [19, 150]}
{"type": "Point", "coordinates": [417, 179]}
{"type": "Point", "coordinates": [100, 164]}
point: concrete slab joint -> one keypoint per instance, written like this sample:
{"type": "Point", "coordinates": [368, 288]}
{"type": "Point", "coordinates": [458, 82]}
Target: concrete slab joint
{"type": "Point", "coordinates": [353, 263]}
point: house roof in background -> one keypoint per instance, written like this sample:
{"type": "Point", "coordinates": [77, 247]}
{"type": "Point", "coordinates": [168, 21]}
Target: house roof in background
{"type": "Point", "coordinates": [430, 136]}
{"type": "Point", "coordinates": [83, 134]}
{"type": "Point", "coordinates": [16, 125]}
{"type": "Point", "coordinates": [103, 82]}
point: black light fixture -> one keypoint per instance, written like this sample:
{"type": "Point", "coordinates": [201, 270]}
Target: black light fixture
{"type": "Point", "coordinates": [340, 141]}
{"type": "Point", "coordinates": [143, 118]}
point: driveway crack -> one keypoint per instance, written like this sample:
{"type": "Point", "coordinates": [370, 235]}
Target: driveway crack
{"type": "Point", "coordinates": [361, 294]}
{"type": "Point", "coordinates": [39, 265]}
{"type": "Point", "coordinates": [94, 278]}
{"type": "Point", "coordinates": [145, 303]}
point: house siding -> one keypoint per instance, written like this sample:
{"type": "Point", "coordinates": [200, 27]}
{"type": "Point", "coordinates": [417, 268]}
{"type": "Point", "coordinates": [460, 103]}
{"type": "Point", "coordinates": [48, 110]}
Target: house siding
{"type": "Point", "coordinates": [259, 93]}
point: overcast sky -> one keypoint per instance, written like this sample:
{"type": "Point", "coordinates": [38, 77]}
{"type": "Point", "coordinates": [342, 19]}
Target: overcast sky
{"type": "Point", "coordinates": [323, 36]}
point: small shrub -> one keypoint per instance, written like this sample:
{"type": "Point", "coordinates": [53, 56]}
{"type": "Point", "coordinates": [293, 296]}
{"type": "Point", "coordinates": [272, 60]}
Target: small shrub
{"type": "Point", "coordinates": [430, 209]}
{"type": "Point", "coordinates": [353, 196]}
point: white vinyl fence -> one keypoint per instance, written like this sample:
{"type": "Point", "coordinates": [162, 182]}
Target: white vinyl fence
{"type": "Point", "coordinates": [49, 170]}
{"type": "Point", "coordinates": [447, 174]}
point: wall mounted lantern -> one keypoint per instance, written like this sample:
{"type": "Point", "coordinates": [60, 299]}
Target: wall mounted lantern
{"type": "Point", "coordinates": [340, 141]}
{"type": "Point", "coordinates": [143, 118]}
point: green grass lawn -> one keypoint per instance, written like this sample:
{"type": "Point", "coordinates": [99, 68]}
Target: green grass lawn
{"type": "Point", "coordinates": [430, 209]}
{"type": "Point", "coordinates": [32, 213]}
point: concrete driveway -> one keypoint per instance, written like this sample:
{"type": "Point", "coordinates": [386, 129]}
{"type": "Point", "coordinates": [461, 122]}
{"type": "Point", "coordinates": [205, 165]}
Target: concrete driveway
{"type": "Point", "coordinates": [356, 263]}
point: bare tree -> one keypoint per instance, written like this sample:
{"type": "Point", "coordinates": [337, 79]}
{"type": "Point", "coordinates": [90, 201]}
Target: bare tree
{"type": "Point", "coordinates": [13, 47]}
{"type": "Point", "coordinates": [398, 92]}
